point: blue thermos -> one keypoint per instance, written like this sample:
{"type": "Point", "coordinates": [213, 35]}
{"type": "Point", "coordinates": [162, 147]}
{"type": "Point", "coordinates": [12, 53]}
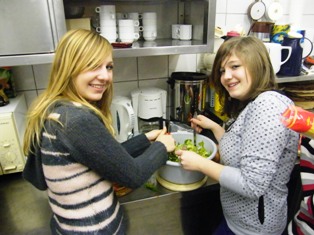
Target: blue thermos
{"type": "Point", "coordinates": [294, 65]}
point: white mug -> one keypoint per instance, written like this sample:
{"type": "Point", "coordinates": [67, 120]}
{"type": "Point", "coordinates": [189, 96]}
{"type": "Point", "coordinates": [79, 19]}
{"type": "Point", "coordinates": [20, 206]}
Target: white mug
{"type": "Point", "coordinates": [128, 23]}
{"type": "Point", "coordinates": [149, 15]}
{"type": "Point", "coordinates": [110, 36]}
{"type": "Point", "coordinates": [149, 34]}
{"type": "Point", "coordinates": [175, 29]}
{"type": "Point", "coordinates": [134, 15]}
{"type": "Point", "coordinates": [109, 23]}
{"type": "Point", "coordinates": [185, 32]}
{"type": "Point", "coordinates": [106, 9]}
{"type": "Point", "coordinates": [274, 50]}
{"type": "Point", "coordinates": [128, 36]}
{"type": "Point", "coordinates": [126, 30]}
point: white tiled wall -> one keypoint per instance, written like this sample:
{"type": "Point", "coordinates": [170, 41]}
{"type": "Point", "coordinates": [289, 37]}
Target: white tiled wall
{"type": "Point", "coordinates": [130, 73]}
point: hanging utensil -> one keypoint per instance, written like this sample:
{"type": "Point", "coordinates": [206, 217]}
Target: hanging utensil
{"type": "Point", "coordinates": [196, 94]}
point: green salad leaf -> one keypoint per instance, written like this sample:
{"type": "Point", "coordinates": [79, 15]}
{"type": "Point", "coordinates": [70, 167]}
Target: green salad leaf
{"type": "Point", "coordinates": [189, 145]}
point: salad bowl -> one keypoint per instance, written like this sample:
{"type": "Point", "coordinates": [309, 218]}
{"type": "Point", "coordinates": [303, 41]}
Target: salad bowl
{"type": "Point", "coordinates": [173, 172]}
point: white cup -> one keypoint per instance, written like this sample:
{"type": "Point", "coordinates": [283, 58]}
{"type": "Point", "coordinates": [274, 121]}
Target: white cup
{"type": "Point", "coordinates": [150, 33]}
{"type": "Point", "coordinates": [128, 23]}
{"type": "Point", "coordinates": [175, 31]}
{"type": "Point", "coordinates": [106, 9]}
{"type": "Point", "coordinates": [149, 15]}
{"type": "Point", "coordinates": [128, 36]}
{"type": "Point", "coordinates": [106, 12]}
{"type": "Point", "coordinates": [109, 35]}
{"type": "Point", "coordinates": [185, 32]}
{"type": "Point", "coordinates": [149, 22]}
{"type": "Point", "coordinates": [134, 15]}
{"type": "Point", "coordinates": [126, 30]}
{"type": "Point", "coordinates": [109, 23]}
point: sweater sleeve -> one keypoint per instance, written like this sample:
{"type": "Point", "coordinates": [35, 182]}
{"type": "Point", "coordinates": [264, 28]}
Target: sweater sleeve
{"type": "Point", "coordinates": [90, 143]}
{"type": "Point", "coordinates": [136, 145]}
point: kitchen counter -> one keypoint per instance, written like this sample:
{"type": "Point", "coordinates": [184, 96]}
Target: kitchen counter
{"type": "Point", "coordinates": [25, 210]}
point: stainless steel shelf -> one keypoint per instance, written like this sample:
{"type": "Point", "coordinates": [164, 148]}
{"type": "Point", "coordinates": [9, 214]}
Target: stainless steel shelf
{"type": "Point", "coordinates": [18, 60]}
{"type": "Point", "coordinates": [163, 47]}
{"type": "Point", "coordinates": [201, 14]}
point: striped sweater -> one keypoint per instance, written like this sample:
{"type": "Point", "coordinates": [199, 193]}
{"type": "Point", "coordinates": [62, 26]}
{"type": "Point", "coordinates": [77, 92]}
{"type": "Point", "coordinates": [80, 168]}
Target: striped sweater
{"type": "Point", "coordinates": [77, 162]}
{"type": "Point", "coordinates": [303, 221]}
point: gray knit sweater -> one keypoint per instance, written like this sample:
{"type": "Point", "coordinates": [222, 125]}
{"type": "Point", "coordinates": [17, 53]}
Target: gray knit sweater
{"type": "Point", "coordinates": [77, 163]}
{"type": "Point", "coordinates": [259, 153]}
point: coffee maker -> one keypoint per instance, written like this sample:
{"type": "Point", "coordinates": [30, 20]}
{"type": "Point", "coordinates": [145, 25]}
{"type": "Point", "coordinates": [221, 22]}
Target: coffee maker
{"type": "Point", "coordinates": [149, 105]}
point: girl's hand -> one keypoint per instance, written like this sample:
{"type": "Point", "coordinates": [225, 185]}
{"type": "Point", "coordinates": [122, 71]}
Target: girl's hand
{"type": "Point", "coordinates": [167, 139]}
{"type": "Point", "coordinates": [201, 122]}
{"type": "Point", "coordinates": [152, 135]}
{"type": "Point", "coordinates": [190, 160]}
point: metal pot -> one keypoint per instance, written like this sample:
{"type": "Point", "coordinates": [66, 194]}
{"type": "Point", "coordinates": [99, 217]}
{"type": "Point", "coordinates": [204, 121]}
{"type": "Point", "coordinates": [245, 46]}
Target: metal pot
{"type": "Point", "coordinates": [188, 94]}
{"type": "Point", "coordinates": [174, 173]}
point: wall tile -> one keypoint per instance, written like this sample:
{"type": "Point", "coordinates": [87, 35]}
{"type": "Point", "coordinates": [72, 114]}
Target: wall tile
{"type": "Point", "coordinates": [160, 83]}
{"type": "Point", "coordinates": [30, 96]}
{"type": "Point", "coordinates": [221, 21]}
{"type": "Point", "coordinates": [24, 78]}
{"type": "Point", "coordinates": [185, 63]}
{"type": "Point", "coordinates": [221, 6]}
{"type": "Point", "coordinates": [238, 6]}
{"type": "Point", "coordinates": [308, 7]}
{"type": "Point", "coordinates": [125, 69]}
{"type": "Point", "coordinates": [124, 88]}
{"type": "Point", "coordinates": [41, 73]}
{"type": "Point", "coordinates": [235, 20]}
{"type": "Point", "coordinates": [152, 67]}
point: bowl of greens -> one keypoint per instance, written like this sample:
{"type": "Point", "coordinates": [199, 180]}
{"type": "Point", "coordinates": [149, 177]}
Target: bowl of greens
{"type": "Point", "coordinates": [173, 171]}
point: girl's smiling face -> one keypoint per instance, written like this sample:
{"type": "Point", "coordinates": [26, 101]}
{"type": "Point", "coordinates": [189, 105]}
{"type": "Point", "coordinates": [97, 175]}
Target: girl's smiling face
{"type": "Point", "coordinates": [92, 84]}
{"type": "Point", "coordinates": [235, 78]}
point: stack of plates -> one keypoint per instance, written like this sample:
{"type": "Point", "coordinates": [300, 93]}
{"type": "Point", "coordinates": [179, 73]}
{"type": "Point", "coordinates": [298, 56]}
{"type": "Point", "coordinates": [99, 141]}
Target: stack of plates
{"type": "Point", "coordinates": [302, 94]}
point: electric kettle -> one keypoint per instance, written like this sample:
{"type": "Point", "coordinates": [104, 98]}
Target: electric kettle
{"type": "Point", "coordinates": [123, 117]}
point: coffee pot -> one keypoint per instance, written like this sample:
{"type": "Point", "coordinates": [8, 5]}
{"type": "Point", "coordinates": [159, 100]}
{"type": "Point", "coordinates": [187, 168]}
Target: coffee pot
{"type": "Point", "coordinates": [149, 104]}
{"type": "Point", "coordinates": [275, 54]}
{"type": "Point", "coordinates": [294, 65]}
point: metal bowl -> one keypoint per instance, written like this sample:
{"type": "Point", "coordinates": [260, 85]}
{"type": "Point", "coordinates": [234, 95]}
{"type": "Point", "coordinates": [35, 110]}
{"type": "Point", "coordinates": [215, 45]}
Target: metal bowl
{"type": "Point", "coordinates": [173, 171]}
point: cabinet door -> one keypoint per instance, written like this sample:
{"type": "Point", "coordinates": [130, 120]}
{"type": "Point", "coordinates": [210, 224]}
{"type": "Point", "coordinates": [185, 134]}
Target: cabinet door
{"type": "Point", "coordinates": [25, 27]}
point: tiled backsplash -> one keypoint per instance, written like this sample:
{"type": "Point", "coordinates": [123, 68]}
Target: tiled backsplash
{"type": "Point", "coordinates": [130, 73]}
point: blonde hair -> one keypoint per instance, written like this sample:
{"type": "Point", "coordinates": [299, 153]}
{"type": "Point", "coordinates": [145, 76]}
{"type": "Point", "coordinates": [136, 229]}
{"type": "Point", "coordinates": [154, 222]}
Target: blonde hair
{"type": "Point", "coordinates": [255, 57]}
{"type": "Point", "coordinates": [78, 51]}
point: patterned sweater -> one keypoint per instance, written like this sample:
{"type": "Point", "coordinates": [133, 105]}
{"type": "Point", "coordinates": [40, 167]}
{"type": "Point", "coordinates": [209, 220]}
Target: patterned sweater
{"type": "Point", "coordinates": [77, 163]}
{"type": "Point", "coordinates": [259, 153]}
{"type": "Point", "coordinates": [303, 221]}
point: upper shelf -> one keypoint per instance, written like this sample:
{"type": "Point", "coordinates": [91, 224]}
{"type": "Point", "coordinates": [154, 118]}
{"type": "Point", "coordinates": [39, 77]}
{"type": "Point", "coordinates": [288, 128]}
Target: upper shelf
{"type": "Point", "coordinates": [138, 49]}
{"type": "Point", "coordinates": [201, 14]}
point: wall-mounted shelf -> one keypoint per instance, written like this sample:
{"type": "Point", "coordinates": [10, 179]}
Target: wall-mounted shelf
{"type": "Point", "coordinates": [200, 13]}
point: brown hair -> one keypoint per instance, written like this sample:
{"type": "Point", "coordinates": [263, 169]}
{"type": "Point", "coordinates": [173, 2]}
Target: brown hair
{"type": "Point", "coordinates": [255, 58]}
